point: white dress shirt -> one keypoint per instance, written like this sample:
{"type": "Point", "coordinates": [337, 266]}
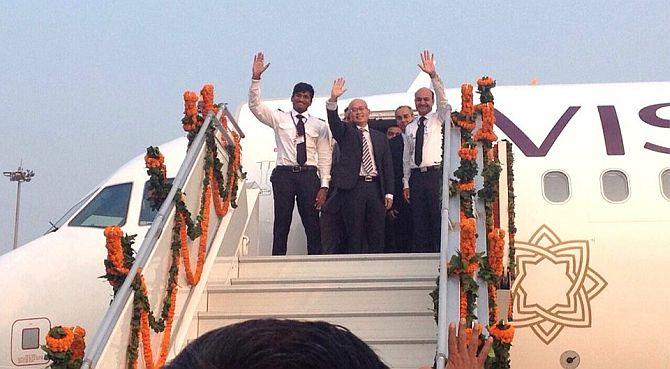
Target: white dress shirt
{"type": "Point", "coordinates": [432, 135]}
{"type": "Point", "coordinates": [368, 139]}
{"type": "Point", "coordinates": [317, 134]}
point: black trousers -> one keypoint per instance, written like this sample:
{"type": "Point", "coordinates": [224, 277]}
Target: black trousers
{"type": "Point", "coordinates": [425, 199]}
{"type": "Point", "coordinates": [287, 189]}
{"type": "Point", "coordinates": [399, 230]}
{"type": "Point", "coordinates": [332, 233]}
{"type": "Point", "coordinates": [363, 217]}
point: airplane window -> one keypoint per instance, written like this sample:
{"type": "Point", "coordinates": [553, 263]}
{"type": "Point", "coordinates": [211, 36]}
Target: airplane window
{"type": "Point", "coordinates": [109, 207]}
{"type": "Point", "coordinates": [30, 339]}
{"type": "Point", "coordinates": [615, 185]}
{"type": "Point", "coordinates": [556, 186]}
{"type": "Point", "coordinates": [665, 183]}
{"type": "Point", "coordinates": [72, 211]}
{"type": "Point", "coordinates": [147, 214]}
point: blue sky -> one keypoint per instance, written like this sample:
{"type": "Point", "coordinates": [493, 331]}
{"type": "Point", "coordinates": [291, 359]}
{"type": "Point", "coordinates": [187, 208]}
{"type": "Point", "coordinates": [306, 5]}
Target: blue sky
{"type": "Point", "coordinates": [88, 85]}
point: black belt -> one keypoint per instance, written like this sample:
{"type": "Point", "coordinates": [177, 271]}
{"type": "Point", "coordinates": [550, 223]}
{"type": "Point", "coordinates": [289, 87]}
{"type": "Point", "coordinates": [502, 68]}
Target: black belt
{"type": "Point", "coordinates": [432, 168]}
{"type": "Point", "coordinates": [296, 168]}
{"type": "Point", "coordinates": [367, 178]}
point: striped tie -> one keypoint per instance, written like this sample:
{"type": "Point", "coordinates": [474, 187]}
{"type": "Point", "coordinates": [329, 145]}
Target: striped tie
{"type": "Point", "coordinates": [366, 158]}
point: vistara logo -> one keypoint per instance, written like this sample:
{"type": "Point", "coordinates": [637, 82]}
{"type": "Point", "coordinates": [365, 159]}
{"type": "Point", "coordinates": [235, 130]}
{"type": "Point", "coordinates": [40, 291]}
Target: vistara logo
{"type": "Point", "coordinates": [554, 284]}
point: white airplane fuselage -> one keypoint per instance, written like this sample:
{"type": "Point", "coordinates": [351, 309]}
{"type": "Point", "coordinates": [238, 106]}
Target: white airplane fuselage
{"type": "Point", "coordinates": [591, 170]}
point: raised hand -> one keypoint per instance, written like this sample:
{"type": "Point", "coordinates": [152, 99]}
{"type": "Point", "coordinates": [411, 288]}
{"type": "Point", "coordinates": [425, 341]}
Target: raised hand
{"type": "Point", "coordinates": [463, 354]}
{"type": "Point", "coordinates": [259, 66]}
{"type": "Point", "coordinates": [338, 89]}
{"type": "Point", "coordinates": [428, 63]}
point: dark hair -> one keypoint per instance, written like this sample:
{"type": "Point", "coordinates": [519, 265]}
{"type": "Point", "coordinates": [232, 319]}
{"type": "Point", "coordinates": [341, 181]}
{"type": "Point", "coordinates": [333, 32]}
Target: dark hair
{"type": "Point", "coordinates": [392, 126]}
{"type": "Point", "coordinates": [277, 344]}
{"type": "Point", "coordinates": [404, 106]}
{"type": "Point", "coordinates": [302, 87]}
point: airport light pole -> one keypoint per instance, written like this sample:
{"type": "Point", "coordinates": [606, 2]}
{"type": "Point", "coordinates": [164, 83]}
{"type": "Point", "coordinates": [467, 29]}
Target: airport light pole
{"type": "Point", "coordinates": [19, 176]}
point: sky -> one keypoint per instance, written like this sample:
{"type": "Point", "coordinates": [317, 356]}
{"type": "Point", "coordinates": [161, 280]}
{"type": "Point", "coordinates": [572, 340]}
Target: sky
{"type": "Point", "coordinates": [86, 86]}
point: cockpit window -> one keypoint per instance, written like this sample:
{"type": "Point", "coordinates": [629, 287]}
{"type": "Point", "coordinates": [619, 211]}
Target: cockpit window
{"type": "Point", "coordinates": [665, 183]}
{"type": "Point", "coordinates": [556, 186]}
{"type": "Point", "coordinates": [615, 185]}
{"type": "Point", "coordinates": [73, 210]}
{"type": "Point", "coordinates": [109, 207]}
{"type": "Point", "coordinates": [147, 214]}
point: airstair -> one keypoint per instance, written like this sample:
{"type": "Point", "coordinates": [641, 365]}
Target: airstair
{"type": "Point", "coordinates": [384, 299]}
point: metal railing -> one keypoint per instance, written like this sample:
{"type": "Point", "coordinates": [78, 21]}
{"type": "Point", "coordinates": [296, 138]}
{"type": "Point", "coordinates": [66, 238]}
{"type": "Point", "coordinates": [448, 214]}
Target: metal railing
{"type": "Point", "coordinates": [116, 319]}
{"type": "Point", "coordinates": [449, 286]}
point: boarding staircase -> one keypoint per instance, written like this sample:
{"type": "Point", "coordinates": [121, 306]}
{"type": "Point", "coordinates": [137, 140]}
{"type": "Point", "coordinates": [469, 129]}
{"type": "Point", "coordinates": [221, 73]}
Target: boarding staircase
{"type": "Point", "coordinates": [384, 299]}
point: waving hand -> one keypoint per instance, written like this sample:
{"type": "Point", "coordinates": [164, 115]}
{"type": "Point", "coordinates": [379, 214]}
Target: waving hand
{"type": "Point", "coordinates": [259, 66]}
{"type": "Point", "coordinates": [338, 89]}
{"type": "Point", "coordinates": [427, 63]}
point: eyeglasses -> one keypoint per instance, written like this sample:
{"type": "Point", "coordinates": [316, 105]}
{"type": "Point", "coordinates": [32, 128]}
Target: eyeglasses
{"type": "Point", "coordinates": [356, 110]}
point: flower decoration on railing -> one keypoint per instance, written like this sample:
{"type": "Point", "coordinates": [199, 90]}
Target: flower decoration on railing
{"type": "Point", "coordinates": [217, 188]}
{"type": "Point", "coordinates": [65, 347]}
{"type": "Point", "coordinates": [489, 266]}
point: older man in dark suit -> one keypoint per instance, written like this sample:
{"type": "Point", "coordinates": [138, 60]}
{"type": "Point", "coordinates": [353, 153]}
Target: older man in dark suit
{"type": "Point", "coordinates": [363, 175]}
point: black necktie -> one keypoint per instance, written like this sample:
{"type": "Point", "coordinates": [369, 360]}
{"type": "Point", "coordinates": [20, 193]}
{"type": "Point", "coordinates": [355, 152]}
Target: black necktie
{"type": "Point", "coordinates": [302, 146]}
{"type": "Point", "coordinates": [418, 149]}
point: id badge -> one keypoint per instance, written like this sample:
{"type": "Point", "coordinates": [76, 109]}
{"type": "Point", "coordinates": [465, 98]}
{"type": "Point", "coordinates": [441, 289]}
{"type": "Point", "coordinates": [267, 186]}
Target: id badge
{"type": "Point", "coordinates": [299, 139]}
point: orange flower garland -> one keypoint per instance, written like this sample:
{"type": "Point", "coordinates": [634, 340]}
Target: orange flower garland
{"type": "Point", "coordinates": [496, 250]}
{"type": "Point", "coordinates": [466, 186]}
{"type": "Point", "coordinates": [60, 344]}
{"type": "Point", "coordinates": [183, 229]}
{"type": "Point", "coordinates": [115, 250]}
{"type": "Point", "coordinates": [218, 205]}
{"type": "Point", "coordinates": [207, 93]}
{"type": "Point", "coordinates": [468, 242]}
{"type": "Point", "coordinates": [78, 344]}
{"type": "Point", "coordinates": [486, 82]}
{"type": "Point", "coordinates": [157, 162]}
{"type": "Point", "coordinates": [467, 153]}
{"type": "Point", "coordinates": [465, 119]}
{"type": "Point", "coordinates": [190, 121]}
{"type": "Point", "coordinates": [504, 334]}
{"type": "Point", "coordinates": [146, 334]}
{"type": "Point", "coordinates": [485, 133]}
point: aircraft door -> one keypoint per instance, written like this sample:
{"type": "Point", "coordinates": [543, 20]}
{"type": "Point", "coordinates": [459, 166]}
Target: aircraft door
{"type": "Point", "coordinates": [27, 337]}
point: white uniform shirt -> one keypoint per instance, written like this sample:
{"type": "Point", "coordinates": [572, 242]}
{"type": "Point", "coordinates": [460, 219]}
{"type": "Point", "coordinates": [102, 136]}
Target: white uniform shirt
{"type": "Point", "coordinates": [432, 135]}
{"type": "Point", "coordinates": [317, 134]}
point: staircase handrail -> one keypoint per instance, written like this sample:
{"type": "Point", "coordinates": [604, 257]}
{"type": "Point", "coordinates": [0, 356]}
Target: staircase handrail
{"type": "Point", "coordinates": [109, 321]}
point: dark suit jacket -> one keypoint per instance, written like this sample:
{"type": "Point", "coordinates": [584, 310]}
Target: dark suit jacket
{"type": "Point", "coordinates": [347, 169]}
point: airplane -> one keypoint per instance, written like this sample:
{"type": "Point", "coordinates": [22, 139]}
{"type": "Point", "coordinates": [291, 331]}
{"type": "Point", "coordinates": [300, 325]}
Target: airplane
{"type": "Point", "coordinates": [592, 186]}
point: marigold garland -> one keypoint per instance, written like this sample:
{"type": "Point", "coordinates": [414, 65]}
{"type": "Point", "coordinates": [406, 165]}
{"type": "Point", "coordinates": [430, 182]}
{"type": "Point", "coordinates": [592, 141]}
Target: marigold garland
{"type": "Point", "coordinates": [215, 188]}
{"type": "Point", "coordinates": [119, 256]}
{"type": "Point", "coordinates": [159, 187]}
{"type": "Point", "coordinates": [190, 120]}
{"type": "Point", "coordinates": [466, 262]}
{"type": "Point", "coordinates": [65, 347]}
{"type": "Point", "coordinates": [59, 339]}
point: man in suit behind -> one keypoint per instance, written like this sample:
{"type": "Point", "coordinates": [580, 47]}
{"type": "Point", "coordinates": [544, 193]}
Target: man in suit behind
{"type": "Point", "coordinates": [363, 174]}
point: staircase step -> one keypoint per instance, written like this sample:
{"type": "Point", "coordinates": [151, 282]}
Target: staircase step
{"type": "Point", "coordinates": [324, 280]}
{"type": "Point", "coordinates": [368, 325]}
{"type": "Point", "coordinates": [320, 297]}
{"type": "Point", "coordinates": [325, 266]}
